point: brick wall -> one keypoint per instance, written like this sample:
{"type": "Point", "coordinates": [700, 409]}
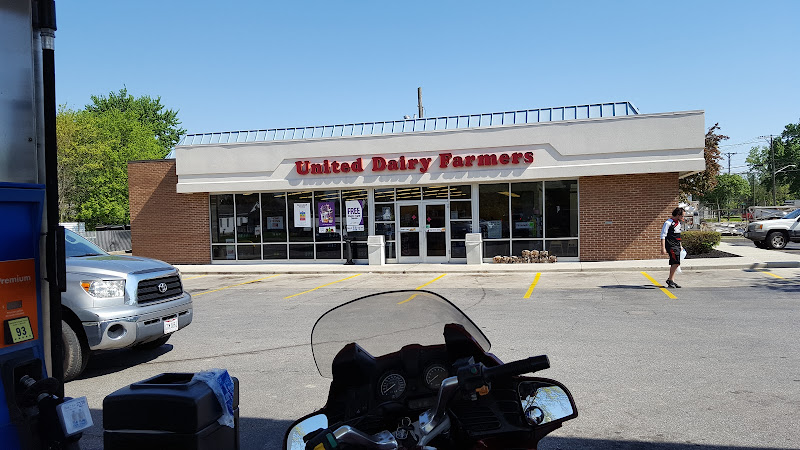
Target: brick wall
{"type": "Point", "coordinates": [166, 225]}
{"type": "Point", "coordinates": [637, 205]}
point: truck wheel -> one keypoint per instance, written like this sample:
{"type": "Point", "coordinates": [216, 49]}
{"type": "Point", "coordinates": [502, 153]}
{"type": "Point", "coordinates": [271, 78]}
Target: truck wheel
{"type": "Point", "coordinates": [776, 240]}
{"type": "Point", "coordinates": [76, 352]}
{"type": "Point", "coordinates": [154, 344]}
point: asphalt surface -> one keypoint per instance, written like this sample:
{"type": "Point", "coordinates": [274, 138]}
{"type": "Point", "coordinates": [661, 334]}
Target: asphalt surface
{"type": "Point", "coordinates": [791, 247]}
{"type": "Point", "coordinates": [710, 366]}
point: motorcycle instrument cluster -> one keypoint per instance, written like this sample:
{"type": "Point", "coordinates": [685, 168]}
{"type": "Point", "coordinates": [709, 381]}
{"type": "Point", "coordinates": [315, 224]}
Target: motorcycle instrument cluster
{"type": "Point", "coordinates": [392, 386]}
{"type": "Point", "coordinates": [434, 375]}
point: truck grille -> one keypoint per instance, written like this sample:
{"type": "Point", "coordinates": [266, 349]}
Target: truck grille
{"type": "Point", "coordinates": [147, 291]}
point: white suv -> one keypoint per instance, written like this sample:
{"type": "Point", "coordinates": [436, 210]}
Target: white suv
{"type": "Point", "coordinates": [775, 233]}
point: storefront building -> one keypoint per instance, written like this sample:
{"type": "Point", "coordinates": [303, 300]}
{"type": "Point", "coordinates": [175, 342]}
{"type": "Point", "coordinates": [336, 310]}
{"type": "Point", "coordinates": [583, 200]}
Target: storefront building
{"type": "Point", "coordinates": [592, 182]}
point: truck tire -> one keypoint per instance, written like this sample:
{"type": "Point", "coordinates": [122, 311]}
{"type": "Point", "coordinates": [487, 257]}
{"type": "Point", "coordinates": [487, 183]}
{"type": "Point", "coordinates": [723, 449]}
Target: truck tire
{"type": "Point", "coordinates": [76, 352]}
{"type": "Point", "coordinates": [154, 344]}
{"type": "Point", "coordinates": [776, 240]}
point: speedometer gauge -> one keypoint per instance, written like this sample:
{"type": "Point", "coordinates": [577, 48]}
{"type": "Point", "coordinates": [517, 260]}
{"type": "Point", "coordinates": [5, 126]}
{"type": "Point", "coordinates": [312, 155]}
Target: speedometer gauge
{"type": "Point", "coordinates": [434, 375]}
{"type": "Point", "coordinates": [392, 386]}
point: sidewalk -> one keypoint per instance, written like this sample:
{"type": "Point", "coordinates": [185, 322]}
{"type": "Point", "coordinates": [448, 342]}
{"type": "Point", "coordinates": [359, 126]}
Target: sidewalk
{"type": "Point", "coordinates": [749, 258]}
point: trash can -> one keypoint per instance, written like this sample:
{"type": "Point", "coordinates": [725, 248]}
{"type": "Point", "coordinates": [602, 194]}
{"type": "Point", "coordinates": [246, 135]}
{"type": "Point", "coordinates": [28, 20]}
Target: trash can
{"type": "Point", "coordinates": [377, 250]}
{"type": "Point", "coordinates": [474, 244]}
{"type": "Point", "coordinates": [168, 411]}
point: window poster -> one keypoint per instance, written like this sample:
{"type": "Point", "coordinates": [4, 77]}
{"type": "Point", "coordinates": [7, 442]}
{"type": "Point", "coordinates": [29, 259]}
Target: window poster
{"type": "Point", "coordinates": [355, 215]}
{"type": "Point", "coordinates": [302, 215]}
{"type": "Point", "coordinates": [326, 217]}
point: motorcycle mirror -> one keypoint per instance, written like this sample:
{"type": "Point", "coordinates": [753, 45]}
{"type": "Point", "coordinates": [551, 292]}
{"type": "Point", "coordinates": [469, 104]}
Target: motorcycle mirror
{"type": "Point", "coordinates": [294, 438]}
{"type": "Point", "coordinates": [545, 402]}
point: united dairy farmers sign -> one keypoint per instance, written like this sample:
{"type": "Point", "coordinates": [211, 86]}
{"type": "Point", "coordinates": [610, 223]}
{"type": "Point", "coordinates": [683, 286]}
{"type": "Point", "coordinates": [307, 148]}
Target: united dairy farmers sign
{"type": "Point", "coordinates": [382, 164]}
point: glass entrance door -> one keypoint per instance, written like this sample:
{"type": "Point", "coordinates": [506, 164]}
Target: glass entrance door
{"type": "Point", "coordinates": [435, 232]}
{"type": "Point", "coordinates": [410, 219]}
{"type": "Point", "coordinates": [423, 232]}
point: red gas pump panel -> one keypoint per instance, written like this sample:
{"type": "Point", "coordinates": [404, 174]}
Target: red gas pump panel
{"type": "Point", "coordinates": [18, 309]}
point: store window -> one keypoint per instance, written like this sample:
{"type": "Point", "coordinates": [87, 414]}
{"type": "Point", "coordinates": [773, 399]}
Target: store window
{"type": "Point", "coordinates": [301, 217]}
{"type": "Point", "coordinates": [223, 225]}
{"type": "Point", "coordinates": [526, 210]}
{"type": "Point", "coordinates": [460, 219]}
{"type": "Point", "coordinates": [561, 208]}
{"type": "Point", "coordinates": [529, 216]}
{"type": "Point", "coordinates": [493, 204]}
{"type": "Point", "coordinates": [248, 220]}
{"type": "Point", "coordinates": [355, 216]}
{"type": "Point", "coordinates": [273, 213]}
{"type": "Point", "coordinates": [384, 219]}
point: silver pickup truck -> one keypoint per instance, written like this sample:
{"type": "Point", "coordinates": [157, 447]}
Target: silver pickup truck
{"type": "Point", "coordinates": [115, 302]}
{"type": "Point", "coordinates": [775, 233]}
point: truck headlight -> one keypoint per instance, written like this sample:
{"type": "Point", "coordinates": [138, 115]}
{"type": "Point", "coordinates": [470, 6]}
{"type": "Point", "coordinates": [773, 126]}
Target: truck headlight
{"type": "Point", "coordinates": [759, 226]}
{"type": "Point", "coordinates": [104, 288]}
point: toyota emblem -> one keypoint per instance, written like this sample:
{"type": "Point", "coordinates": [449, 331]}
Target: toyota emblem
{"type": "Point", "coordinates": [162, 287]}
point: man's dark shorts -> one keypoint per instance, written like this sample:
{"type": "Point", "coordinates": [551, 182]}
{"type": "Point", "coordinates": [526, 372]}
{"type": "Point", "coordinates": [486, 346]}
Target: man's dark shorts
{"type": "Point", "coordinates": [674, 254]}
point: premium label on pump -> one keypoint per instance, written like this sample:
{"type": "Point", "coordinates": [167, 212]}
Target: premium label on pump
{"type": "Point", "coordinates": [18, 309]}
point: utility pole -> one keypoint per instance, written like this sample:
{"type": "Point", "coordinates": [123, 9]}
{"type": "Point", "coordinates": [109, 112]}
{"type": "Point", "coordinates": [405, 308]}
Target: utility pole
{"type": "Point", "coordinates": [729, 161]}
{"type": "Point", "coordinates": [419, 103]}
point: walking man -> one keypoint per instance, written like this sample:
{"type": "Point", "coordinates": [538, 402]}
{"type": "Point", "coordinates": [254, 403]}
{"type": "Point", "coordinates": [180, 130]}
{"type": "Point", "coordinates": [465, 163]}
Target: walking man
{"type": "Point", "coordinates": [671, 244]}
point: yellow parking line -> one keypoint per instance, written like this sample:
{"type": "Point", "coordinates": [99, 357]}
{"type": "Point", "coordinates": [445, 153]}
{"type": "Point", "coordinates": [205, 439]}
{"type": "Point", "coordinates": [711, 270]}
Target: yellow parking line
{"type": "Point", "coordinates": [533, 285]}
{"type": "Point", "coordinates": [233, 285]}
{"type": "Point", "coordinates": [192, 278]}
{"type": "Point", "coordinates": [658, 285]}
{"type": "Point", "coordinates": [311, 290]}
{"type": "Point", "coordinates": [420, 287]}
{"type": "Point", "coordinates": [770, 273]}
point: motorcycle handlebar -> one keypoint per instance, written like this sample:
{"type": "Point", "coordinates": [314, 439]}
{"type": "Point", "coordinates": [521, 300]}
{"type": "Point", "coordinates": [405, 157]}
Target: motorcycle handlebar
{"type": "Point", "coordinates": [508, 370]}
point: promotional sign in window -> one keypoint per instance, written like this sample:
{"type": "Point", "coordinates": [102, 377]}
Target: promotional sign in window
{"type": "Point", "coordinates": [327, 217]}
{"type": "Point", "coordinates": [275, 223]}
{"type": "Point", "coordinates": [355, 215]}
{"type": "Point", "coordinates": [302, 215]}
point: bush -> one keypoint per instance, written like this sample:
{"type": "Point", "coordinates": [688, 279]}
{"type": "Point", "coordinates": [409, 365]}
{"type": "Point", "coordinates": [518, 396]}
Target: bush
{"type": "Point", "coordinates": [696, 242]}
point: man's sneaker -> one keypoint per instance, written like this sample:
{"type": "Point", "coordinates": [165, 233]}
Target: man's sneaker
{"type": "Point", "coordinates": [673, 284]}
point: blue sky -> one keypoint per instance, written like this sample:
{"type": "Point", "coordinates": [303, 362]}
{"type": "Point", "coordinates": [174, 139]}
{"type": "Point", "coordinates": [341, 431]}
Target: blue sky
{"type": "Point", "coordinates": [262, 64]}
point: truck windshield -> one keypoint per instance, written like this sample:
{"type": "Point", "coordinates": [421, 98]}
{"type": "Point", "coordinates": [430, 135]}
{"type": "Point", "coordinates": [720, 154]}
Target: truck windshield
{"type": "Point", "coordinates": [76, 246]}
{"type": "Point", "coordinates": [793, 215]}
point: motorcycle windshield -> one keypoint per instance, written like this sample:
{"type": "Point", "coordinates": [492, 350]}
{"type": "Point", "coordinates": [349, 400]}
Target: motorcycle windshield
{"type": "Point", "coordinates": [384, 323]}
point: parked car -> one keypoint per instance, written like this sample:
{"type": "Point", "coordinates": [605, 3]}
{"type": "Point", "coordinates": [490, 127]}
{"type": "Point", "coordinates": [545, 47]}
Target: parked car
{"type": "Point", "coordinates": [117, 301]}
{"type": "Point", "coordinates": [775, 233]}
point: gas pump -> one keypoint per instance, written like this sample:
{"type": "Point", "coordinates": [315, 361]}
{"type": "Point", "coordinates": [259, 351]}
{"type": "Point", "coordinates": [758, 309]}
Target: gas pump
{"type": "Point", "coordinates": [33, 411]}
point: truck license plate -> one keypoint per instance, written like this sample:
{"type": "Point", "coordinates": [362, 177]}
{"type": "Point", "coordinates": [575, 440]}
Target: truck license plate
{"type": "Point", "coordinates": [170, 325]}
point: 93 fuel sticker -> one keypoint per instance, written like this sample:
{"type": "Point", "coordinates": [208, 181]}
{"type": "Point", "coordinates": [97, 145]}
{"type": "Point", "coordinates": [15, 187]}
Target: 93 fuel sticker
{"type": "Point", "coordinates": [18, 306]}
{"type": "Point", "coordinates": [19, 330]}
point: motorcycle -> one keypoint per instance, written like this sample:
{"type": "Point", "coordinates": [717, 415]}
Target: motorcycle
{"type": "Point", "coordinates": [411, 371]}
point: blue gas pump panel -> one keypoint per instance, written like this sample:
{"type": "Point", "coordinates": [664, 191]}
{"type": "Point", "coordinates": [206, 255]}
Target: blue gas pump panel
{"type": "Point", "coordinates": [20, 224]}
{"type": "Point", "coordinates": [20, 297]}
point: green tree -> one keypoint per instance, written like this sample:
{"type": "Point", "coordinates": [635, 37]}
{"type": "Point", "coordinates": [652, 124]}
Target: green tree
{"type": "Point", "coordinates": [787, 152]}
{"type": "Point", "coordinates": [94, 150]}
{"type": "Point", "coordinates": [146, 110]}
{"type": "Point", "coordinates": [730, 191]}
{"type": "Point", "coordinates": [702, 182]}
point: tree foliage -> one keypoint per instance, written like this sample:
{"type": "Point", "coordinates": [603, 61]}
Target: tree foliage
{"type": "Point", "coordinates": [94, 147]}
{"type": "Point", "coordinates": [787, 152]}
{"type": "Point", "coordinates": [702, 182]}
{"type": "Point", "coordinates": [730, 191]}
{"type": "Point", "coordinates": [146, 110]}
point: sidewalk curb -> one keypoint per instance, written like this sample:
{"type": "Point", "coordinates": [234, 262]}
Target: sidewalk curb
{"type": "Point", "coordinates": [748, 258]}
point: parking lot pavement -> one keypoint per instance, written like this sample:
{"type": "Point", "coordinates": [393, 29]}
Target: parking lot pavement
{"type": "Point", "coordinates": [644, 368]}
{"type": "Point", "coordinates": [791, 247]}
